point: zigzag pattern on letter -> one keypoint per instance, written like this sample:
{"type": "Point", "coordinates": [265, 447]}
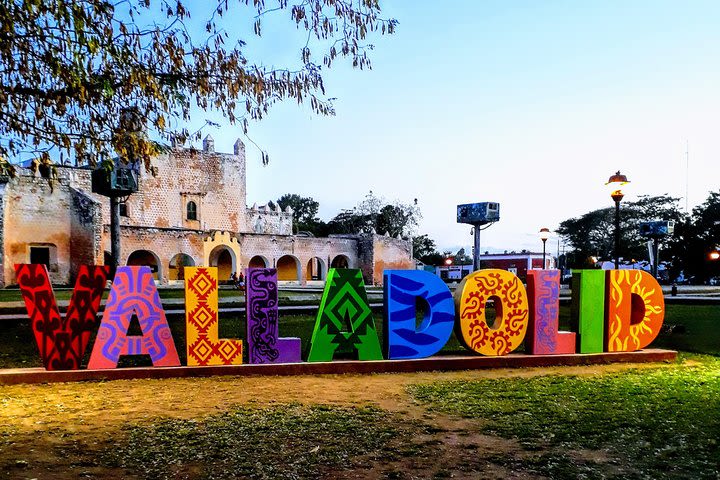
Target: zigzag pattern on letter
{"type": "Point", "coordinates": [204, 347]}
{"type": "Point", "coordinates": [344, 302]}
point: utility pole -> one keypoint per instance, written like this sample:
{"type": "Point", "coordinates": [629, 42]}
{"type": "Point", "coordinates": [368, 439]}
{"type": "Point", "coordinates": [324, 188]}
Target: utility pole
{"type": "Point", "coordinates": [119, 181]}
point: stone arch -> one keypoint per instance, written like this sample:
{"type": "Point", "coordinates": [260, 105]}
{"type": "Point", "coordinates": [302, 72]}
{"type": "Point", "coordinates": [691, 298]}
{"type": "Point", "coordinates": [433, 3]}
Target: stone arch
{"type": "Point", "coordinates": [340, 261]}
{"type": "Point", "coordinates": [177, 264]}
{"type": "Point", "coordinates": [258, 261]}
{"type": "Point", "coordinates": [224, 259]}
{"type": "Point", "coordinates": [146, 258]}
{"type": "Point", "coordinates": [315, 269]}
{"type": "Point", "coordinates": [224, 239]}
{"type": "Point", "coordinates": [288, 268]}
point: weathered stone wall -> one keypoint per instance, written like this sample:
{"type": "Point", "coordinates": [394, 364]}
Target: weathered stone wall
{"type": "Point", "coordinates": [390, 254]}
{"type": "Point", "coordinates": [38, 215]}
{"type": "Point", "coordinates": [164, 243]}
{"type": "Point", "coordinates": [301, 249]}
{"type": "Point", "coordinates": [266, 220]}
{"type": "Point", "coordinates": [214, 181]}
{"type": "Point", "coordinates": [75, 223]}
{"type": "Point", "coordinates": [85, 231]}
{"type": "Point", "coordinates": [378, 253]}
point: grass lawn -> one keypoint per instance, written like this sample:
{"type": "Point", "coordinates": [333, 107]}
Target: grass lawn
{"type": "Point", "coordinates": [280, 441]}
{"type": "Point", "coordinates": [658, 423]}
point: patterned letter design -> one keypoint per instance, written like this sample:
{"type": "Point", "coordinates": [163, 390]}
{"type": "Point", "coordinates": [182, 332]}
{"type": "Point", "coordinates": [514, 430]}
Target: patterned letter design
{"type": "Point", "coordinates": [543, 337]}
{"type": "Point", "coordinates": [402, 339]}
{"type": "Point", "coordinates": [588, 309]}
{"type": "Point", "coordinates": [635, 310]}
{"type": "Point", "coordinates": [262, 320]}
{"type": "Point", "coordinates": [511, 306]}
{"type": "Point", "coordinates": [201, 321]}
{"type": "Point", "coordinates": [133, 292]}
{"type": "Point", "coordinates": [344, 306]}
{"type": "Point", "coordinates": [62, 341]}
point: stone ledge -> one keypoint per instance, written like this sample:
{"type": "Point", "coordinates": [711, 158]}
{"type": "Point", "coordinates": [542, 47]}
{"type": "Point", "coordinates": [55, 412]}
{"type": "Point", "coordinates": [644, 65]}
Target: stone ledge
{"type": "Point", "coordinates": [440, 363]}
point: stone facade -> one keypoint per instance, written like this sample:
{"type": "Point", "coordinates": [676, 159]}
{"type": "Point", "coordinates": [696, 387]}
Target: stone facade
{"type": "Point", "coordinates": [191, 209]}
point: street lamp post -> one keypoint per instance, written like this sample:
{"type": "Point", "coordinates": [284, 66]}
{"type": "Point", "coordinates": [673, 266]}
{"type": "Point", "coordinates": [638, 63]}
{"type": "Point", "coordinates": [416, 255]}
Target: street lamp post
{"type": "Point", "coordinates": [616, 183]}
{"type": "Point", "coordinates": [544, 235]}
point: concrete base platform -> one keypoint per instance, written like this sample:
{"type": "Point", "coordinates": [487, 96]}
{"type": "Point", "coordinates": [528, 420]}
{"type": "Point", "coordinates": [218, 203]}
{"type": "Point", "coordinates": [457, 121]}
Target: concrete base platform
{"type": "Point", "coordinates": [440, 363]}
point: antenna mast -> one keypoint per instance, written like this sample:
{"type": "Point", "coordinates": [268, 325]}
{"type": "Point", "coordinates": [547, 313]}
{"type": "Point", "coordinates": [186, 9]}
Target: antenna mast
{"type": "Point", "coordinates": [687, 173]}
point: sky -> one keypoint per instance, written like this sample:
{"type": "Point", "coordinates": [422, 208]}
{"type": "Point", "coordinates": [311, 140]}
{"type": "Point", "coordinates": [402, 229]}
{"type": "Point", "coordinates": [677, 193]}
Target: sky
{"type": "Point", "coordinates": [532, 104]}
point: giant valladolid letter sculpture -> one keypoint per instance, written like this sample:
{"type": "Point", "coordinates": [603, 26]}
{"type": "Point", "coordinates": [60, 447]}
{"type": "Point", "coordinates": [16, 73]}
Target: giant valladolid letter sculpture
{"type": "Point", "coordinates": [264, 346]}
{"type": "Point", "coordinates": [511, 307]}
{"type": "Point", "coordinates": [204, 347]}
{"type": "Point", "coordinates": [133, 292]}
{"type": "Point", "coordinates": [62, 341]}
{"type": "Point", "coordinates": [543, 337]}
{"type": "Point", "coordinates": [403, 338]}
{"type": "Point", "coordinates": [635, 310]}
{"type": "Point", "coordinates": [344, 320]}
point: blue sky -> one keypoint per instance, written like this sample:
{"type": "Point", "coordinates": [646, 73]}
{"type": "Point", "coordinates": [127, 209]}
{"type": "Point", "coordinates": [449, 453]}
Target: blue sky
{"type": "Point", "coordinates": [532, 104]}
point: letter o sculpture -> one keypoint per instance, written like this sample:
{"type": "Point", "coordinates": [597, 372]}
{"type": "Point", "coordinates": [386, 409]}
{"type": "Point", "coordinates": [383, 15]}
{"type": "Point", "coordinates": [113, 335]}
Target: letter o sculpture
{"type": "Point", "coordinates": [511, 322]}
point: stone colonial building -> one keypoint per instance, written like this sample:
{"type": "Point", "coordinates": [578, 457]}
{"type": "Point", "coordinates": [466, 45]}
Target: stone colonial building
{"type": "Point", "coordinates": [191, 210]}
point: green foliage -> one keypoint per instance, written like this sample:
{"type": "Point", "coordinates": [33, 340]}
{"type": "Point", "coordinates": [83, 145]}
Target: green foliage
{"type": "Point", "coordinates": [425, 250]}
{"type": "Point", "coordinates": [7, 169]}
{"type": "Point", "coordinates": [376, 214]}
{"type": "Point", "coordinates": [71, 67]}
{"type": "Point", "coordinates": [284, 441]}
{"type": "Point", "coordinates": [592, 234]}
{"type": "Point", "coordinates": [700, 234]}
{"type": "Point", "coordinates": [305, 211]}
{"type": "Point", "coordinates": [662, 423]}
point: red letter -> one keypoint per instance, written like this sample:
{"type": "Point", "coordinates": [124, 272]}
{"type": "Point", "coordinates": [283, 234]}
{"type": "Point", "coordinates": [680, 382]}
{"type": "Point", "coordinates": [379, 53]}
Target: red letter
{"type": "Point", "coordinates": [61, 341]}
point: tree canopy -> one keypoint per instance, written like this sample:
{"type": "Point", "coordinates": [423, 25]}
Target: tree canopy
{"type": "Point", "coordinates": [304, 209]}
{"type": "Point", "coordinates": [425, 250]}
{"type": "Point", "coordinates": [695, 235]}
{"type": "Point", "coordinates": [373, 213]}
{"type": "Point", "coordinates": [376, 214]}
{"type": "Point", "coordinates": [69, 67]}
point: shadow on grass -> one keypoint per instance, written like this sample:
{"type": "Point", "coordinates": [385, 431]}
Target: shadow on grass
{"type": "Point", "coordinates": [284, 441]}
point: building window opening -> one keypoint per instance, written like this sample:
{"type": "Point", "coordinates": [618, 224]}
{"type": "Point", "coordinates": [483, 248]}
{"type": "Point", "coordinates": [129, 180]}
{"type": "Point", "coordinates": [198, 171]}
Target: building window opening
{"type": "Point", "coordinates": [123, 210]}
{"type": "Point", "coordinates": [40, 256]}
{"type": "Point", "coordinates": [191, 211]}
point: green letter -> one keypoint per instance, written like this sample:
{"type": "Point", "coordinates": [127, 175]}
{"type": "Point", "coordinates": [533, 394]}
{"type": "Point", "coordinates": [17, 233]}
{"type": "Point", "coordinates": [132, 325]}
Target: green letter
{"type": "Point", "coordinates": [344, 302]}
{"type": "Point", "coordinates": [588, 309]}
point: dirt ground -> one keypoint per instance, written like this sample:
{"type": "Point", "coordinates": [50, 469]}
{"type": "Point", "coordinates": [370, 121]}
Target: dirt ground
{"type": "Point", "coordinates": [36, 419]}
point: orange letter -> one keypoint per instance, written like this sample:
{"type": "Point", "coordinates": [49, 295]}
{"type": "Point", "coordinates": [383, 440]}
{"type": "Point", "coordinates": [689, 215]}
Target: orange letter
{"type": "Point", "coordinates": [635, 310]}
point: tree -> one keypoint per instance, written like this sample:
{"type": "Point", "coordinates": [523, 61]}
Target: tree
{"type": "Point", "coordinates": [697, 236]}
{"type": "Point", "coordinates": [376, 214]}
{"type": "Point", "coordinates": [69, 67]}
{"type": "Point", "coordinates": [305, 211]}
{"type": "Point", "coordinates": [592, 234]}
{"type": "Point", "coordinates": [425, 250]}
{"type": "Point", "coordinates": [347, 222]}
